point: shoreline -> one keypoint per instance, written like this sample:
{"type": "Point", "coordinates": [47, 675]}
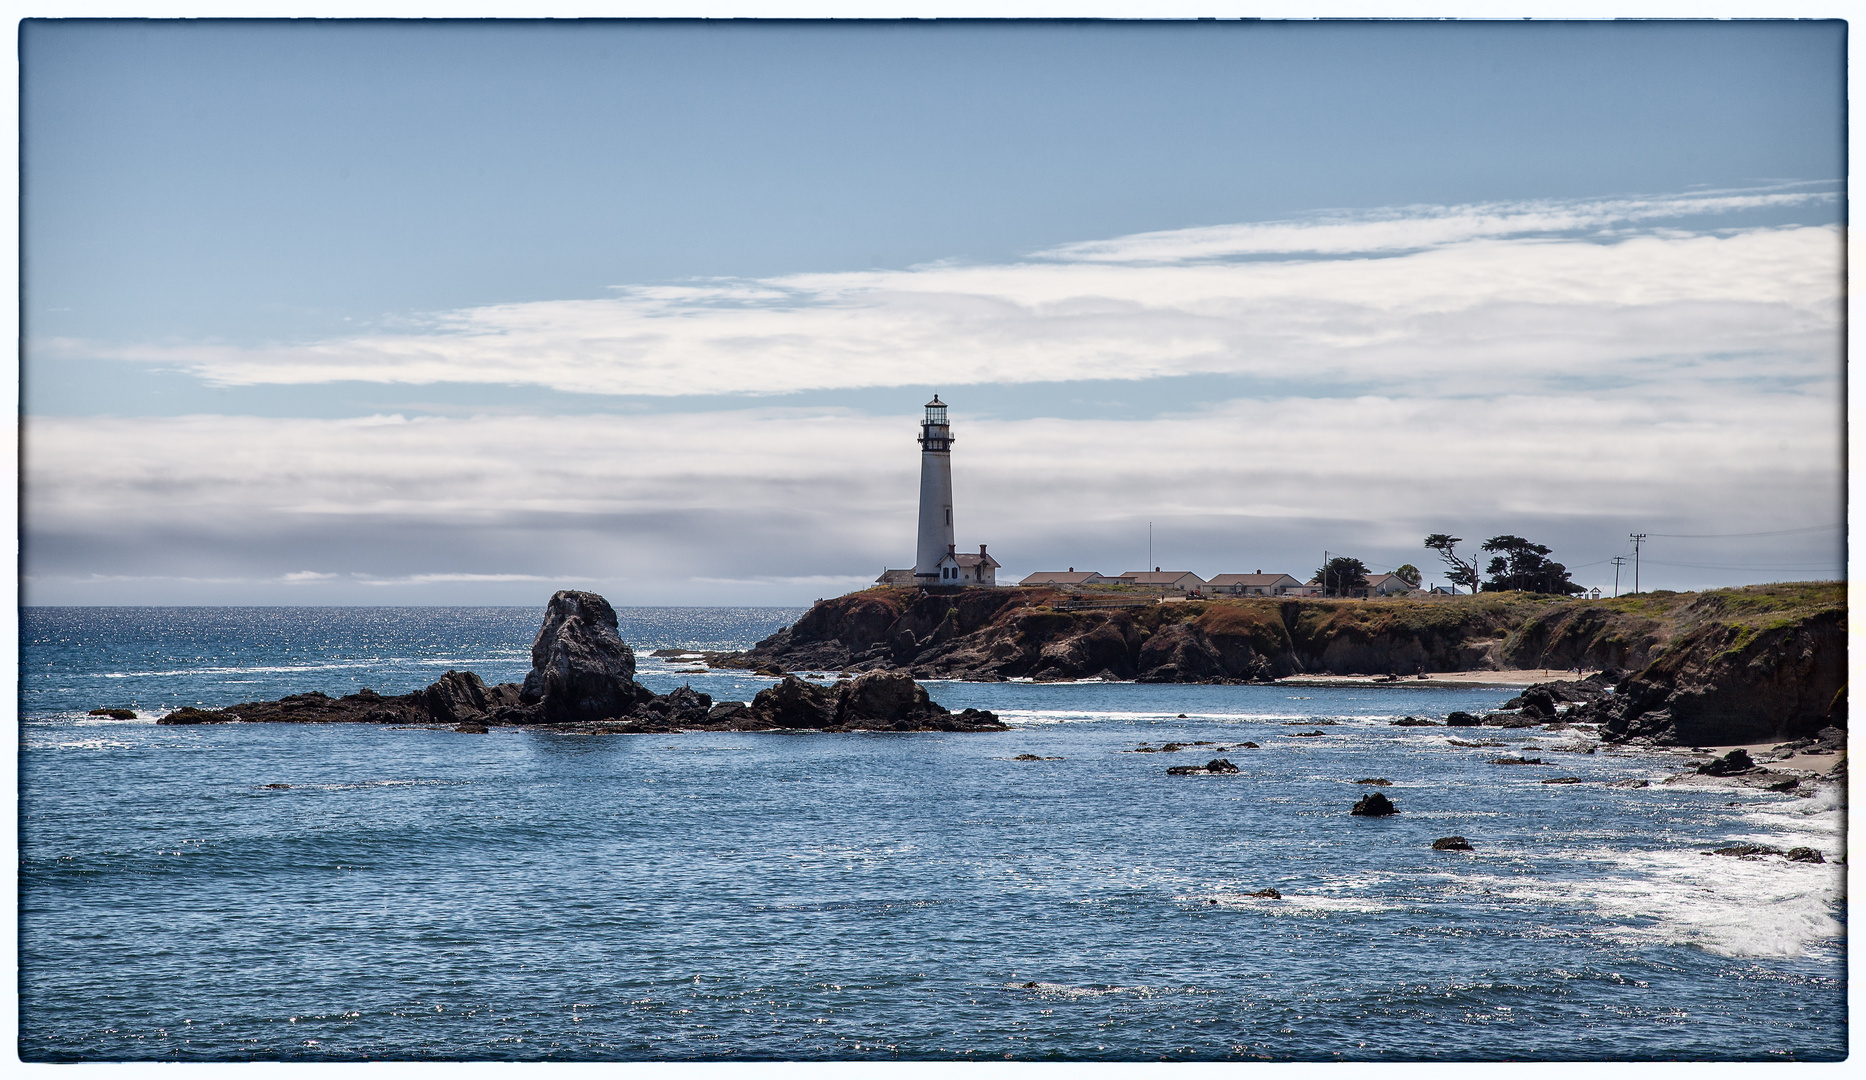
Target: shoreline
{"type": "Point", "coordinates": [1502, 680]}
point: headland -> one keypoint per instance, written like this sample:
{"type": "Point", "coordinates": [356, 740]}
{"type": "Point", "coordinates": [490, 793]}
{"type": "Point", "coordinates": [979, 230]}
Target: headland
{"type": "Point", "coordinates": [1721, 667]}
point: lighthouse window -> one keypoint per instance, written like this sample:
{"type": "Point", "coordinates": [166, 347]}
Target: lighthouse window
{"type": "Point", "coordinates": [949, 515]}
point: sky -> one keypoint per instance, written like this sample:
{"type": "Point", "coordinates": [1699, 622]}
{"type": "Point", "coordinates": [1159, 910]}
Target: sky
{"type": "Point", "coordinates": [463, 313]}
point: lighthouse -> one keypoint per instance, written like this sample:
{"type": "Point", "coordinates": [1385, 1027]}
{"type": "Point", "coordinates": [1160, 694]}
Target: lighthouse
{"type": "Point", "coordinates": [938, 562]}
{"type": "Point", "coordinates": [935, 494]}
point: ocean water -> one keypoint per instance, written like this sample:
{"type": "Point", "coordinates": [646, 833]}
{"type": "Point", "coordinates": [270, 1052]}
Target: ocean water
{"type": "Point", "coordinates": [421, 894]}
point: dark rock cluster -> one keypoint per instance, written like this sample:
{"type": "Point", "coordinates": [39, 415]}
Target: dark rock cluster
{"type": "Point", "coordinates": [582, 677]}
{"type": "Point", "coordinates": [1374, 805]}
{"type": "Point", "coordinates": [1214, 767]}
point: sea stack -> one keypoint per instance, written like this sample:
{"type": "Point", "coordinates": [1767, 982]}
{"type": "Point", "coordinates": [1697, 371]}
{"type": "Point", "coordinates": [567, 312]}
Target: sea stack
{"type": "Point", "coordinates": [581, 669]}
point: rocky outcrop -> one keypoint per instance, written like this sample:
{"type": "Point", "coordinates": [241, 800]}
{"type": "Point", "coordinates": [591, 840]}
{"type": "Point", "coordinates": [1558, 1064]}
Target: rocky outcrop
{"type": "Point", "coordinates": [1375, 805]}
{"type": "Point", "coordinates": [581, 669]}
{"type": "Point", "coordinates": [1735, 762]}
{"type": "Point", "coordinates": [1451, 843]}
{"type": "Point", "coordinates": [582, 677]}
{"type": "Point", "coordinates": [876, 701]}
{"type": "Point", "coordinates": [1214, 767]}
{"type": "Point", "coordinates": [1734, 683]}
{"type": "Point", "coordinates": [1732, 665]}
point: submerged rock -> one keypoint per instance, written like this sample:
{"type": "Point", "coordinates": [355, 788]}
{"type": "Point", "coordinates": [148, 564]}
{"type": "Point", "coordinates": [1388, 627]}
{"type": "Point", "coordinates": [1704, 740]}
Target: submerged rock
{"type": "Point", "coordinates": [188, 714]}
{"type": "Point", "coordinates": [1214, 767]}
{"type": "Point", "coordinates": [1452, 843]}
{"type": "Point", "coordinates": [1265, 894]}
{"type": "Point", "coordinates": [1374, 805]}
{"type": "Point", "coordinates": [1746, 851]}
{"type": "Point", "coordinates": [1377, 781]}
{"type": "Point", "coordinates": [114, 714]}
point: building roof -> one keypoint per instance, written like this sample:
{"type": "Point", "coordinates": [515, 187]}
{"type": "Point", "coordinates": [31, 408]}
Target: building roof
{"type": "Point", "coordinates": [966, 558]}
{"type": "Point", "coordinates": [1160, 577]}
{"type": "Point", "coordinates": [1060, 577]}
{"type": "Point", "coordinates": [896, 577]}
{"type": "Point", "coordinates": [1259, 578]}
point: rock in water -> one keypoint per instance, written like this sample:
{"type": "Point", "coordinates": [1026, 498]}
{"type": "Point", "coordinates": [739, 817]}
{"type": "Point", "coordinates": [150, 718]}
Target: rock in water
{"type": "Point", "coordinates": [873, 701]}
{"type": "Point", "coordinates": [188, 714]}
{"type": "Point", "coordinates": [458, 697]}
{"type": "Point", "coordinates": [115, 714]}
{"type": "Point", "coordinates": [795, 703]}
{"type": "Point", "coordinates": [1736, 761]}
{"type": "Point", "coordinates": [1462, 719]}
{"type": "Point", "coordinates": [581, 669]}
{"type": "Point", "coordinates": [884, 696]}
{"type": "Point", "coordinates": [1375, 805]}
{"type": "Point", "coordinates": [1451, 843]}
{"type": "Point", "coordinates": [1805, 854]}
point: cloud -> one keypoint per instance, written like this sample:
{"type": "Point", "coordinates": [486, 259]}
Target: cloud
{"type": "Point", "coordinates": [435, 579]}
{"type": "Point", "coordinates": [1432, 300]}
{"type": "Point", "coordinates": [781, 505]}
{"type": "Point", "coordinates": [1412, 228]}
{"type": "Point", "coordinates": [1568, 372]}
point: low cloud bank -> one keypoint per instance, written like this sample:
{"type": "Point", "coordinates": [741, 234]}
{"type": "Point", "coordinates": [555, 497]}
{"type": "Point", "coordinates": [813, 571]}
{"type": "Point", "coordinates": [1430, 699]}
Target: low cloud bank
{"type": "Point", "coordinates": [782, 505]}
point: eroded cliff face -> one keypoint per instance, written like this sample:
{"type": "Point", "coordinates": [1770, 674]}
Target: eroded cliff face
{"type": "Point", "coordinates": [1754, 664]}
{"type": "Point", "coordinates": [1721, 684]}
{"type": "Point", "coordinates": [1035, 633]}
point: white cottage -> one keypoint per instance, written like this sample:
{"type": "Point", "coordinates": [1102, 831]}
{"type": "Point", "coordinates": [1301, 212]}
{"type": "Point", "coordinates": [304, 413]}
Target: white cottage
{"type": "Point", "coordinates": [967, 569]}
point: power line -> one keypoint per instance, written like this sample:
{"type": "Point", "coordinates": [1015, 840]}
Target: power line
{"type": "Point", "coordinates": [1732, 536]}
{"type": "Point", "coordinates": [1751, 567]}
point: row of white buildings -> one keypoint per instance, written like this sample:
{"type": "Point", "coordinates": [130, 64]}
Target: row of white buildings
{"type": "Point", "coordinates": [1186, 582]}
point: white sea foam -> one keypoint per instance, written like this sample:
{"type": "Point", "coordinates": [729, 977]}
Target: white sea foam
{"type": "Point", "coordinates": [1290, 903]}
{"type": "Point", "coordinates": [1060, 716]}
{"type": "Point", "coordinates": [1730, 906]}
{"type": "Point", "coordinates": [1063, 990]}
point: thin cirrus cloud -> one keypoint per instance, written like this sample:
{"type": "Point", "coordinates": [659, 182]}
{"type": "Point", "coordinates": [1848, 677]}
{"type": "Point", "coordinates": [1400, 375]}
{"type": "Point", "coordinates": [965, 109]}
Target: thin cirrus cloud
{"type": "Point", "coordinates": [1420, 300]}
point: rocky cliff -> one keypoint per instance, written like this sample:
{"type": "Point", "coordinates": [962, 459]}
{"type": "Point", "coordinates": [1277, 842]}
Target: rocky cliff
{"type": "Point", "coordinates": [1731, 665]}
{"type": "Point", "coordinates": [1739, 671]}
{"type": "Point", "coordinates": [982, 633]}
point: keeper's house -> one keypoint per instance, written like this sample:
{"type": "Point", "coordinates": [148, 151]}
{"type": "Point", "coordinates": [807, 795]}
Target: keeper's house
{"type": "Point", "coordinates": [1257, 584]}
{"type": "Point", "coordinates": [1071, 576]}
{"type": "Point", "coordinates": [1184, 581]}
{"type": "Point", "coordinates": [964, 568]}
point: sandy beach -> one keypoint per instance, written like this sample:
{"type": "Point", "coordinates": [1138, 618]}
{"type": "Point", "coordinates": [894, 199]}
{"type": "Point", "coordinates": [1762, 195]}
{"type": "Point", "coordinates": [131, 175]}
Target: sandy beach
{"type": "Point", "coordinates": [1512, 678]}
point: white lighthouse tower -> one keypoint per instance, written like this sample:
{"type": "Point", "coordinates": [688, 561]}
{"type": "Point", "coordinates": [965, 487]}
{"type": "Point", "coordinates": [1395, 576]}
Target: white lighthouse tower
{"type": "Point", "coordinates": [935, 494]}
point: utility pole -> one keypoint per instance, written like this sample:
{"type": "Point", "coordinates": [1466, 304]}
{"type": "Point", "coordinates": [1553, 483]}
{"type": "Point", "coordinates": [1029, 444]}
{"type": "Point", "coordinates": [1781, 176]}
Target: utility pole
{"type": "Point", "coordinates": [1149, 543]}
{"type": "Point", "coordinates": [1324, 571]}
{"type": "Point", "coordinates": [1618, 561]}
{"type": "Point", "coordinates": [1638, 539]}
